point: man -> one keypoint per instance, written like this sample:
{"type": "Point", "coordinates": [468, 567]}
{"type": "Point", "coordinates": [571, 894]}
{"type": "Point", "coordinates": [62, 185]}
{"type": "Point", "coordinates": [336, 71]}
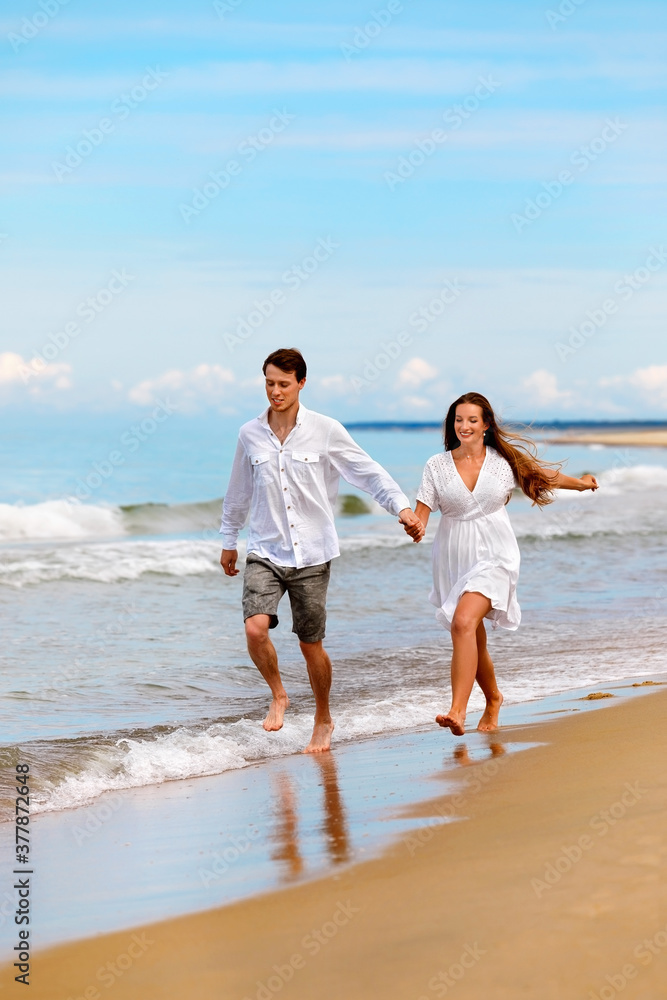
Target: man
{"type": "Point", "coordinates": [286, 473]}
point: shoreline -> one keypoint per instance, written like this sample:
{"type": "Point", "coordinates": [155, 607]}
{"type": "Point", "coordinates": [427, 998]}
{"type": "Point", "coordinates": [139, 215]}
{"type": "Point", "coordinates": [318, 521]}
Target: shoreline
{"type": "Point", "coordinates": [478, 834]}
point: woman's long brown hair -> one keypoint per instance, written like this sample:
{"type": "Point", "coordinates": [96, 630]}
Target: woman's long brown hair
{"type": "Point", "coordinates": [519, 451]}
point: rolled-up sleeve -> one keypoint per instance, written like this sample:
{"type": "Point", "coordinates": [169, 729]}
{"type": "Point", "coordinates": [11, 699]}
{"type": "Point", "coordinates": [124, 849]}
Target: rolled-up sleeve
{"type": "Point", "coordinates": [360, 470]}
{"type": "Point", "coordinates": [236, 505]}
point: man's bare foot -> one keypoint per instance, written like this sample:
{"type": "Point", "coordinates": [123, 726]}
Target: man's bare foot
{"type": "Point", "coordinates": [321, 738]}
{"type": "Point", "coordinates": [453, 720]}
{"type": "Point", "coordinates": [489, 720]}
{"type": "Point", "coordinates": [274, 719]}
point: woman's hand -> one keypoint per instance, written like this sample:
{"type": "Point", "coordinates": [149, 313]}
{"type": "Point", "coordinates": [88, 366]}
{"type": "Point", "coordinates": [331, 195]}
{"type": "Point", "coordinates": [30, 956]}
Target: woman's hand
{"type": "Point", "coordinates": [588, 483]}
{"type": "Point", "coordinates": [412, 524]}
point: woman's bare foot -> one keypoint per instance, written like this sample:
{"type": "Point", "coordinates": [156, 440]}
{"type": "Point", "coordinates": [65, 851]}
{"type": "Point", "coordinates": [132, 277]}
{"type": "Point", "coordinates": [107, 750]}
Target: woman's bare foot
{"type": "Point", "coordinates": [453, 720]}
{"type": "Point", "coordinates": [321, 738]}
{"type": "Point", "coordinates": [274, 719]}
{"type": "Point", "coordinates": [489, 720]}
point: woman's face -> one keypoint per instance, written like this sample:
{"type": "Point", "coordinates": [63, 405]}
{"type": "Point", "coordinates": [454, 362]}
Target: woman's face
{"type": "Point", "coordinates": [469, 424]}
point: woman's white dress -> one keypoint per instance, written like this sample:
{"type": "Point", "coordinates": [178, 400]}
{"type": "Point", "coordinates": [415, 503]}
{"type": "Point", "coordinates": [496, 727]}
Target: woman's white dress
{"type": "Point", "coordinates": [475, 548]}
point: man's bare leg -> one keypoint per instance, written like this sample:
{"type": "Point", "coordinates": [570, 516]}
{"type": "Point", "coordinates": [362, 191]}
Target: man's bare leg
{"type": "Point", "coordinates": [486, 678]}
{"type": "Point", "coordinates": [263, 655]}
{"type": "Point", "coordinates": [469, 613]}
{"type": "Point", "coordinates": [319, 673]}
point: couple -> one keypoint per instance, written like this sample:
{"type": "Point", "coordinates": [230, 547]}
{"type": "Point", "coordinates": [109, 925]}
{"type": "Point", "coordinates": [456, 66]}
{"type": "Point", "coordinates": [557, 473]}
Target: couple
{"type": "Point", "coordinates": [285, 475]}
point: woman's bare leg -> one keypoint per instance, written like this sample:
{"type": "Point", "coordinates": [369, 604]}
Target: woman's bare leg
{"type": "Point", "coordinates": [468, 615]}
{"type": "Point", "coordinates": [486, 678]}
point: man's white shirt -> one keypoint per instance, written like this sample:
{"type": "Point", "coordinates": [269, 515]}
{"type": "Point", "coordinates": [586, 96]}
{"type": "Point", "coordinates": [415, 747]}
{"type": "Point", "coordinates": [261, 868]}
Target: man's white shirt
{"type": "Point", "coordinates": [290, 489]}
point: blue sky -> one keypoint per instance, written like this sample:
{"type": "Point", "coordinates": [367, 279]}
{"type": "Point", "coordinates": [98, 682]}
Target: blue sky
{"type": "Point", "coordinates": [424, 197]}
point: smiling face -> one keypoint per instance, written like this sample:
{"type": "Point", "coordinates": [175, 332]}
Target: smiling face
{"type": "Point", "coordinates": [469, 424]}
{"type": "Point", "coordinates": [282, 389]}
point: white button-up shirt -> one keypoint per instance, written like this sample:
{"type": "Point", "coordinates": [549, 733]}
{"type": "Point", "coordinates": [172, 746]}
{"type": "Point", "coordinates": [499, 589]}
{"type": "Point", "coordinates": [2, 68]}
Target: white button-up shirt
{"type": "Point", "coordinates": [290, 489]}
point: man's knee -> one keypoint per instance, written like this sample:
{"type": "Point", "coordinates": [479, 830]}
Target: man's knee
{"type": "Point", "coordinates": [310, 648]}
{"type": "Point", "coordinates": [257, 628]}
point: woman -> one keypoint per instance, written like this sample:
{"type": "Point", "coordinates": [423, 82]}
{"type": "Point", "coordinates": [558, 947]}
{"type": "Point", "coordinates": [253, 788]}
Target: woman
{"type": "Point", "coordinates": [475, 553]}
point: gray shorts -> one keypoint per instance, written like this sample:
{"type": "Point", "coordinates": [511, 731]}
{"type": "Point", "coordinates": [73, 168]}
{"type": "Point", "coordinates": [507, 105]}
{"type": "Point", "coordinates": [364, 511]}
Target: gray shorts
{"type": "Point", "coordinates": [264, 584]}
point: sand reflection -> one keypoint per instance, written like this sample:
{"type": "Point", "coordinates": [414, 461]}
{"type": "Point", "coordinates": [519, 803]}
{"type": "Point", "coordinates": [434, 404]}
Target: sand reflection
{"type": "Point", "coordinates": [323, 823]}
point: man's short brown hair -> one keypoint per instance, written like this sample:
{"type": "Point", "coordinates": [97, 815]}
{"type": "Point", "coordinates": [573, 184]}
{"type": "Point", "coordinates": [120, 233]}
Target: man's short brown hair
{"type": "Point", "coordinates": [289, 360]}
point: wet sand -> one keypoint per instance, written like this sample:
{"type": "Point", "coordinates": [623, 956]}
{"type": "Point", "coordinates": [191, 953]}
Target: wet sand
{"type": "Point", "coordinates": [549, 882]}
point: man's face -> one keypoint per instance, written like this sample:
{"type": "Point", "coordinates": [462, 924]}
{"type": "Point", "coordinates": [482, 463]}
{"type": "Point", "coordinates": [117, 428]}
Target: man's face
{"type": "Point", "coordinates": [282, 388]}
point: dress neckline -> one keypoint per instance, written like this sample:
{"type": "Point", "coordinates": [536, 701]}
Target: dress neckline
{"type": "Point", "coordinates": [479, 474]}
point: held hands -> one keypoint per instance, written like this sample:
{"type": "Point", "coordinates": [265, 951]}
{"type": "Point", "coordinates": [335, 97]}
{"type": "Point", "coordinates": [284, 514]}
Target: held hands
{"type": "Point", "coordinates": [588, 483]}
{"type": "Point", "coordinates": [228, 562]}
{"type": "Point", "coordinates": [412, 524]}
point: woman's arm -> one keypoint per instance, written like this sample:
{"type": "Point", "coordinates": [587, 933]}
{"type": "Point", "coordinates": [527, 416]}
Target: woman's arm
{"type": "Point", "coordinates": [561, 482]}
{"type": "Point", "coordinates": [423, 512]}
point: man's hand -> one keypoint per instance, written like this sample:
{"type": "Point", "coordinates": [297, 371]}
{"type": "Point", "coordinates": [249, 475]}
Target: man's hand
{"type": "Point", "coordinates": [228, 562]}
{"type": "Point", "coordinates": [412, 524]}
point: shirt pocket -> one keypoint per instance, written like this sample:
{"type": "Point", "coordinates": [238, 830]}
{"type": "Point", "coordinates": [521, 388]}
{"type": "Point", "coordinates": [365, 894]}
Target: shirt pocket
{"type": "Point", "coordinates": [305, 465]}
{"type": "Point", "coordinates": [261, 469]}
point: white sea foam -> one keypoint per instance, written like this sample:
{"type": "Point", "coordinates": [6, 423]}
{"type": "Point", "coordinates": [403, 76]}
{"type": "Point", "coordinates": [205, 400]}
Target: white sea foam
{"type": "Point", "coordinates": [113, 562]}
{"type": "Point", "coordinates": [58, 519]}
{"type": "Point", "coordinates": [185, 753]}
{"type": "Point", "coordinates": [72, 545]}
{"type": "Point", "coordinates": [629, 479]}
{"type": "Point", "coordinates": [188, 753]}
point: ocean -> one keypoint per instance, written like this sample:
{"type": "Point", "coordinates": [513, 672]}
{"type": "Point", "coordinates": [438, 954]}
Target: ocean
{"type": "Point", "coordinates": [124, 663]}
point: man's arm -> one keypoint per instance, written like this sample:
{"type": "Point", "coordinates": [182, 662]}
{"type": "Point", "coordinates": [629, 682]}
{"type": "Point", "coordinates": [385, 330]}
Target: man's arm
{"type": "Point", "coordinates": [235, 509]}
{"type": "Point", "coordinates": [358, 468]}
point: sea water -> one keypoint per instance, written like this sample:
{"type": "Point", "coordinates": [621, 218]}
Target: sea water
{"type": "Point", "coordinates": [124, 661]}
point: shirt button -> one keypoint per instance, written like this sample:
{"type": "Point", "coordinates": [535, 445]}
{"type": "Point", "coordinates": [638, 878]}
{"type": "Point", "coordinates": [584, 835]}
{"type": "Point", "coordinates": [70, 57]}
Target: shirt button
{"type": "Point", "coordinates": [288, 507]}
{"type": "Point", "coordinates": [296, 543]}
{"type": "Point", "coordinates": [282, 470]}
{"type": "Point", "coordinates": [284, 488]}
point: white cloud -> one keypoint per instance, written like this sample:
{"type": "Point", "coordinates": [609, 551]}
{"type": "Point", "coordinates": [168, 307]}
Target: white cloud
{"type": "Point", "coordinates": [416, 403]}
{"type": "Point", "coordinates": [337, 385]}
{"type": "Point", "coordinates": [651, 383]}
{"type": "Point", "coordinates": [33, 378]}
{"type": "Point", "coordinates": [542, 387]}
{"type": "Point", "coordinates": [203, 386]}
{"type": "Point", "coordinates": [416, 372]}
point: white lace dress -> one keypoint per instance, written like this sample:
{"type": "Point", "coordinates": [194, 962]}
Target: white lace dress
{"type": "Point", "coordinates": [475, 548]}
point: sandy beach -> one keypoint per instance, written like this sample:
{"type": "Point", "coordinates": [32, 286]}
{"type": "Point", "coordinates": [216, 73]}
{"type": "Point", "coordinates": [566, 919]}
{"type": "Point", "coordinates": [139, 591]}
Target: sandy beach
{"type": "Point", "coordinates": [629, 439]}
{"type": "Point", "coordinates": [549, 883]}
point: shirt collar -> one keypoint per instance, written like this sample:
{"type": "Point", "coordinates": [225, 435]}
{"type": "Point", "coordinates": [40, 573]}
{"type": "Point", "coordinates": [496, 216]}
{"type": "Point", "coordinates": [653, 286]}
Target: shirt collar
{"type": "Point", "coordinates": [301, 415]}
